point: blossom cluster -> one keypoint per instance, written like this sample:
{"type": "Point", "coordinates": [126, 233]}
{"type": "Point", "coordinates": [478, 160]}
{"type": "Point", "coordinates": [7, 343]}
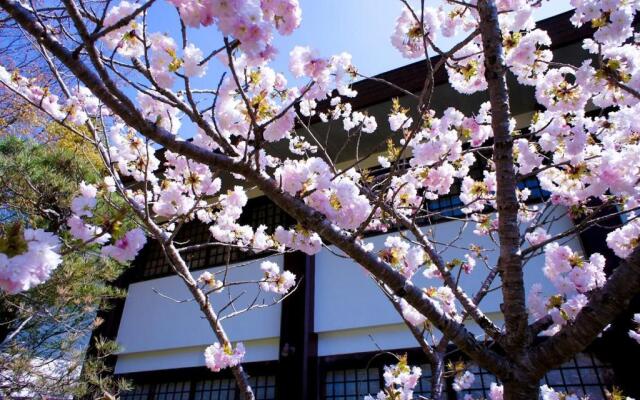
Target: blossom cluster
{"type": "Point", "coordinates": [218, 357]}
{"type": "Point", "coordinates": [573, 277]}
{"type": "Point", "coordinates": [33, 265]}
{"type": "Point", "coordinates": [623, 239]}
{"type": "Point", "coordinates": [126, 40]}
{"type": "Point", "coordinates": [338, 198]}
{"type": "Point", "coordinates": [122, 249]}
{"type": "Point", "coordinates": [251, 22]}
{"type": "Point", "coordinates": [274, 280]}
{"type": "Point", "coordinates": [463, 380]}
{"type": "Point", "coordinates": [210, 282]}
{"type": "Point", "coordinates": [76, 109]}
{"type": "Point", "coordinates": [298, 238]}
{"type": "Point", "coordinates": [443, 299]}
{"type": "Point", "coordinates": [526, 48]}
{"type": "Point", "coordinates": [326, 73]}
{"type": "Point", "coordinates": [401, 256]}
{"type": "Point", "coordinates": [411, 315]}
{"type": "Point", "coordinates": [399, 381]}
{"type": "Point", "coordinates": [438, 159]}
{"type": "Point", "coordinates": [612, 19]}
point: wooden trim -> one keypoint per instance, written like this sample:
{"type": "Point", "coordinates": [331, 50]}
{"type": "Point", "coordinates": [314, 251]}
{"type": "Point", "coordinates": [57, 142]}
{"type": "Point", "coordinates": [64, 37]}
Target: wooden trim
{"type": "Point", "coordinates": [193, 375]}
{"type": "Point", "coordinates": [198, 373]}
{"type": "Point", "coordinates": [297, 374]}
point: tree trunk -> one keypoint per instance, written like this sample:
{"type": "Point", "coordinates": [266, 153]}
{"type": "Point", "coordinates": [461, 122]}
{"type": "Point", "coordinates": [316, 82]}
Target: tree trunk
{"type": "Point", "coordinates": [510, 260]}
{"type": "Point", "coordinates": [438, 389]}
{"type": "Point", "coordinates": [515, 390]}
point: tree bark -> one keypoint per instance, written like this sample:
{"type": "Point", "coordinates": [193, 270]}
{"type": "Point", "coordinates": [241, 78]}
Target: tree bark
{"type": "Point", "coordinates": [438, 389]}
{"type": "Point", "coordinates": [510, 261]}
{"type": "Point", "coordinates": [515, 390]}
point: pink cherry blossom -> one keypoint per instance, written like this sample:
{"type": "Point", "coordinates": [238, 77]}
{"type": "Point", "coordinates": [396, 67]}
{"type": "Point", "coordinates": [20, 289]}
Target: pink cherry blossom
{"type": "Point", "coordinates": [407, 36]}
{"type": "Point", "coordinates": [274, 280]}
{"type": "Point", "coordinates": [463, 381]}
{"type": "Point", "coordinates": [496, 392]}
{"type": "Point", "coordinates": [192, 59]}
{"type": "Point", "coordinates": [126, 248]}
{"type": "Point", "coordinates": [86, 232]}
{"type": "Point", "coordinates": [412, 315]}
{"type": "Point", "coordinates": [34, 266]}
{"type": "Point", "coordinates": [83, 204]}
{"type": "Point", "coordinates": [128, 39]}
{"type": "Point", "coordinates": [218, 357]}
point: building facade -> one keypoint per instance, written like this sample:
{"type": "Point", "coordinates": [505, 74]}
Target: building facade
{"type": "Point", "coordinates": [328, 339]}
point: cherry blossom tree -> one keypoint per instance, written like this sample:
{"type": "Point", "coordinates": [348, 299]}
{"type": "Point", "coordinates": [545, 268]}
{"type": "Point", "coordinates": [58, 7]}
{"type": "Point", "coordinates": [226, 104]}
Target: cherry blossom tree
{"type": "Point", "coordinates": [128, 90]}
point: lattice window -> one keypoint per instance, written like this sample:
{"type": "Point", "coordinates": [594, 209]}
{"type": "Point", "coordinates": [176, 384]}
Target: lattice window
{"type": "Point", "coordinates": [215, 389]}
{"type": "Point", "coordinates": [173, 391]}
{"type": "Point", "coordinates": [582, 375]}
{"type": "Point", "coordinates": [155, 261]}
{"type": "Point", "coordinates": [218, 255]}
{"type": "Point", "coordinates": [193, 234]}
{"type": "Point", "coordinates": [533, 184]}
{"type": "Point", "coordinates": [351, 384]}
{"type": "Point", "coordinates": [138, 392]}
{"type": "Point", "coordinates": [257, 212]}
{"type": "Point", "coordinates": [423, 388]}
{"type": "Point", "coordinates": [480, 386]}
{"type": "Point", "coordinates": [449, 205]}
{"type": "Point", "coordinates": [268, 214]}
{"type": "Point", "coordinates": [264, 387]}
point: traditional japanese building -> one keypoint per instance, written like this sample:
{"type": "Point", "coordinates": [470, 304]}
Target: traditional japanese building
{"type": "Point", "coordinates": [325, 341]}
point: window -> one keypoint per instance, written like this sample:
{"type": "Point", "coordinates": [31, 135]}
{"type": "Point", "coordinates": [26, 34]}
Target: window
{"type": "Point", "coordinates": [138, 392]}
{"type": "Point", "coordinates": [173, 391]}
{"type": "Point", "coordinates": [423, 388]}
{"type": "Point", "coordinates": [155, 262]}
{"type": "Point", "coordinates": [582, 375]}
{"type": "Point", "coordinates": [447, 206]}
{"type": "Point", "coordinates": [351, 384]}
{"type": "Point", "coordinates": [533, 184]}
{"type": "Point", "coordinates": [481, 384]}
{"type": "Point", "coordinates": [215, 389]}
{"type": "Point", "coordinates": [259, 211]}
{"type": "Point", "coordinates": [264, 387]}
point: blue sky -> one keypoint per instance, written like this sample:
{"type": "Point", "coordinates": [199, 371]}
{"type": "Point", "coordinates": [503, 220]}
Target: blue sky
{"type": "Point", "coordinates": [359, 27]}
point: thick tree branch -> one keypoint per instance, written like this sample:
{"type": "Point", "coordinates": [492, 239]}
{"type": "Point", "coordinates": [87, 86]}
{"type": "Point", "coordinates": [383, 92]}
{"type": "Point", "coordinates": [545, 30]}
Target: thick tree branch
{"type": "Point", "coordinates": [603, 306]}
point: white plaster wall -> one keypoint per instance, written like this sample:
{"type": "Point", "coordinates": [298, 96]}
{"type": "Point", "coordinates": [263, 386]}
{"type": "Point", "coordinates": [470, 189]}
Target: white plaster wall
{"type": "Point", "coordinates": [151, 324]}
{"type": "Point", "coordinates": [351, 315]}
{"type": "Point", "coordinates": [374, 338]}
{"type": "Point", "coordinates": [348, 304]}
{"type": "Point", "coordinates": [185, 357]}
